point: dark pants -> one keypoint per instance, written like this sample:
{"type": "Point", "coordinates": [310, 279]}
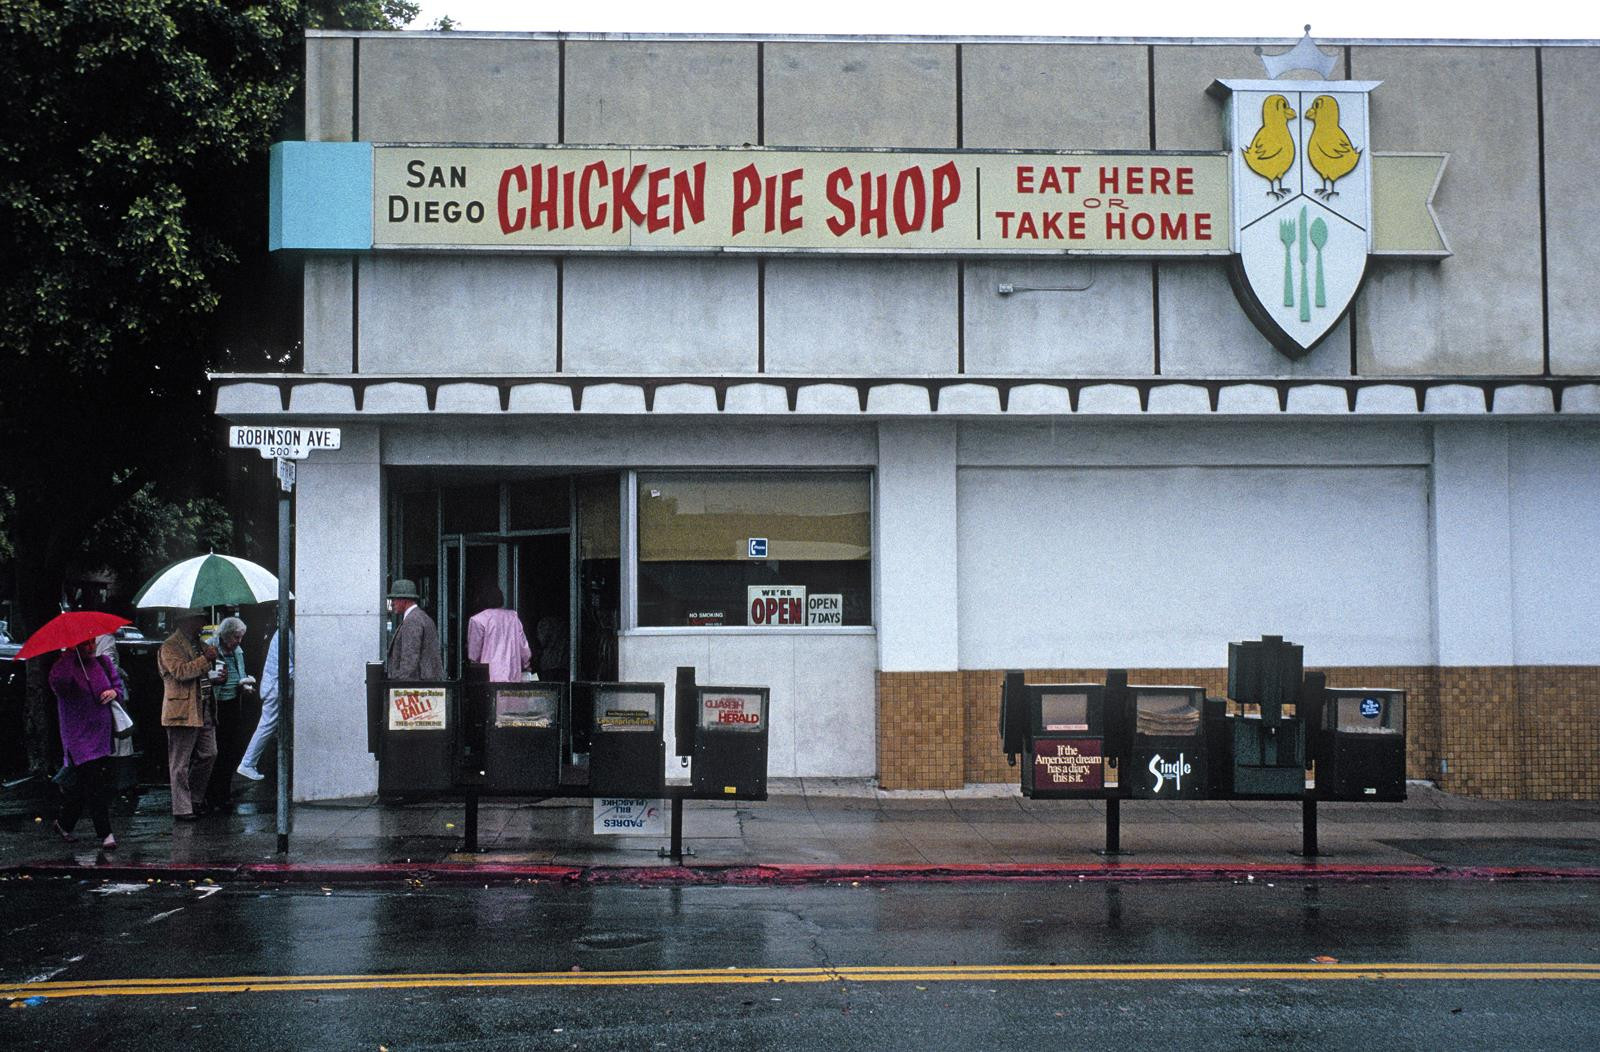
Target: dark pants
{"type": "Point", "coordinates": [92, 788]}
{"type": "Point", "coordinates": [233, 734]}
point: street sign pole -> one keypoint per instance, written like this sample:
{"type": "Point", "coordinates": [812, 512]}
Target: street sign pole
{"type": "Point", "coordinates": [285, 445]}
{"type": "Point", "coordinates": [286, 476]}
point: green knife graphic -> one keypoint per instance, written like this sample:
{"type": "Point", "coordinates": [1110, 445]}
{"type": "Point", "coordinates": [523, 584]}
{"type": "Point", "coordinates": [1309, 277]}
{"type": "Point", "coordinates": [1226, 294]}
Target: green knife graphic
{"type": "Point", "coordinates": [1305, 300]}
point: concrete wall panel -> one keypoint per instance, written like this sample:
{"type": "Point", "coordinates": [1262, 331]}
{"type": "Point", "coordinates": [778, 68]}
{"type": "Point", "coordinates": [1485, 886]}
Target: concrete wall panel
{"type": "Point", "coordinates": [1205, 331]}
{"type": "Point", "coordinates": [661, 93]}
{"type": "Point", "coordinates": [462, 89]}
{"type": "Point", "coordinates": [1572, 156]}
{"type": "Point", "coordinates": [457, 314]}
{"type": "Point", "coordinates": [1479, 311]}
{"type": "Point", "coordinates": [861, 317]}
{"type": "Point", "coordinates": [1472, 544]}
{"type": "Point", "coordinates": [1103, 330]}
{"type": "Point", "coordinates": [659, 316]}
{"type": "Point", "coordinates": [860, 94]}
{"type": "Point", "coordinates": [330, 83]}
{"type": "Point", "coordinates": [329, 293]}
{"type": "Point", "coordinates": [1054, 97]}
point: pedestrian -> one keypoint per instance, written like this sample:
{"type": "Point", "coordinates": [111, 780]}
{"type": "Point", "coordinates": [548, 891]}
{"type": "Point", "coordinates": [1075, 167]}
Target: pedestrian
{"type": "Point", "coordinates": [414, 647]}
{"type": "Point", "coordinates": [188, 712]}
{"type": "Point", "coordinates": [85, 686]}
{"type": "Point", "coordinates": [250, 766]}
{"type": "Point", "coordinates": [229, 693]}
{"type": "Point", "coordinates": [496, 638]}
{"type": "Point", "coordinates": [124, 768]}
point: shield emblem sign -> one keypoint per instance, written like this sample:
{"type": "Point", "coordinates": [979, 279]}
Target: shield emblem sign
{"type": "Point", "coordinates": [1302, 204]}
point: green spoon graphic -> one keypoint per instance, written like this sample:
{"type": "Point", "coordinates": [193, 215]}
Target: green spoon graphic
{"type": "Point", "coordinates": [1319, 237]}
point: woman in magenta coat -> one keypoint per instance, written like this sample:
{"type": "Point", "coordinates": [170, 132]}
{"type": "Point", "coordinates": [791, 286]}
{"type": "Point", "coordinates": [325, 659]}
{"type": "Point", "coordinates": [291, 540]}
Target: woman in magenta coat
{"type": "Point", "coordinates": [85, 686]}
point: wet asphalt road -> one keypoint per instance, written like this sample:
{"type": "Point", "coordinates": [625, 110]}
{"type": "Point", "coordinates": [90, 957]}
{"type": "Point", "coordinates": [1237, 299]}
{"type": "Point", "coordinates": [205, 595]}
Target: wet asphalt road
{"type": "Point", "coordinates": [403, 948]}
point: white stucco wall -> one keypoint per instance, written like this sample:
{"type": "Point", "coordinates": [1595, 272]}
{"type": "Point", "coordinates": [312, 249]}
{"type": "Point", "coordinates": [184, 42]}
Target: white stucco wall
{"type": "Point", "coordinates": [824, 688]}
{"type": "Point", "coordinates": [1555, 543]}
{"type": "Point", "coordinates": [338, 587]}
{"type": "Point", "coordinates": [1155, 548]}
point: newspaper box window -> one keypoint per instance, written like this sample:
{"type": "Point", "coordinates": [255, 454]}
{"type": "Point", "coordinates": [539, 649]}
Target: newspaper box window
{"type": "Point", "coordinates": [523, 738]}
{"type": "Point", "coordinates": [627, 746]}
{"type": "Point", "coordinates": [755, 549]}
{"type": "Point", "coordinates": [1361, 745]}
{"type": "Point", "coordinates": [730, 743]}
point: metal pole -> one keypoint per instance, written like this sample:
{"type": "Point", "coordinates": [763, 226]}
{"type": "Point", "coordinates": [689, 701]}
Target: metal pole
{"type": "Point", "coordinates": [1113, 826]}
{"type": "Point", "coordinates": [1308, 828]}
{"type": "Point", "coordinates": [471, 846]}
{"type": "Point", "coordinates": [285, 677]}
{"type": "Point", "coordinates": [677, 830]}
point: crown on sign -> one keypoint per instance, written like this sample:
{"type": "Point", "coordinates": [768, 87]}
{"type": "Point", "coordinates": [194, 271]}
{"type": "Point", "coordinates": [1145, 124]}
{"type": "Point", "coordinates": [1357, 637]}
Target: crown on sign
{"type": "Point", "coordinates": [1304, 55]}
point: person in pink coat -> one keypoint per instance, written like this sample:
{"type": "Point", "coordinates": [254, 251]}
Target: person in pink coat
{"type": "Point", "coordinates": [85, 686]}
{"type": "Point", "coordinates": [496, 638]}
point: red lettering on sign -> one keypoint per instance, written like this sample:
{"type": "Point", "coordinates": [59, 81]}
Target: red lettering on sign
{"type": "Point", "coordinates": [542, 195]}
{"type": "Point", "coordinates": [622, 202]}
{"type": "Point", "coordinates": [656, 199]}
{"type": "Point", "coordinates": [592, 174]}
{"type": "Point", "coordinates": [510, 222]}
{"type": "Point", "coordinates": [839, 180]}
{"type": "Point", "coordinates": [946, 191]}
{"type": "Point", "coordinates": [746, 192]}
{"type": "Point", "coordinates": [689, 193]}
{"type": "Point", "coordinates": [874, 213]}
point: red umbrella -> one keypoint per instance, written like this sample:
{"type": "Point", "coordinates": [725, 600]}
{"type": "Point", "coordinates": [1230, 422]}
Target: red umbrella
{"type": "Point", "coordinates": [68, 630]}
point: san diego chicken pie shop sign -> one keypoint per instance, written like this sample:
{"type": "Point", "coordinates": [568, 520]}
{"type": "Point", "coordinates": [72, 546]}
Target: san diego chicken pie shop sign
{"type": "Point", "coordinates": [1297, 204]}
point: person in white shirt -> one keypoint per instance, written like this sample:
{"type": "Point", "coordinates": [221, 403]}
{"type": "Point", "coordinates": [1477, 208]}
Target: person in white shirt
{"type": "Point", "coordinates": [267, 726]}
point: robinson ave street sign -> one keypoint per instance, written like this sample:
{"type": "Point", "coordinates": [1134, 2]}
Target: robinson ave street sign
{"type": "Point", "coordinates": [284, 443]}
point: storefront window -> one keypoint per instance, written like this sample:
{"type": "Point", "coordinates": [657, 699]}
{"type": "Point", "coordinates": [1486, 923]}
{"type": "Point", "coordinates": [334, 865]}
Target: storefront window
{"type": "Point", "coordinates": [756, 549]}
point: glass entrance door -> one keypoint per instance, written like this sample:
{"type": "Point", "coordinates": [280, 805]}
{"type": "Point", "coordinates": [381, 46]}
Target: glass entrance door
{"type": "Point", "coordinates": [529, 572]}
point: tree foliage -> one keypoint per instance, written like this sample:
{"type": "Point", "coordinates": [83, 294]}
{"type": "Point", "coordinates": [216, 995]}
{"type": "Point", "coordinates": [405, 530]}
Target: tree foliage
{"type": "Point", "coordinates": [130, 180]}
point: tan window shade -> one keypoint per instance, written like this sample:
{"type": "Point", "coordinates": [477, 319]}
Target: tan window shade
{"type": "Point", "coordinates": [599, 512]}
{"type": "Point", "coordinates": [711, 517]}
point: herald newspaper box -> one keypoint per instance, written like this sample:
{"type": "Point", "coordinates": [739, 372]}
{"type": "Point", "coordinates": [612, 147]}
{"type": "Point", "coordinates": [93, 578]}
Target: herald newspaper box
{"type": "Point", "coordinates": [730, 743]}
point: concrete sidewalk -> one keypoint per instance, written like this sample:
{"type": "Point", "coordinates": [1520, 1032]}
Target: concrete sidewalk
{"type": "Point", "coordinates": [831, 829]}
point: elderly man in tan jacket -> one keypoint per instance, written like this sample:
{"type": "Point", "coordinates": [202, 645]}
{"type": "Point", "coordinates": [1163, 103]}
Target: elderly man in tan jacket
{"type": "Point", "coordinates": [188, 712]}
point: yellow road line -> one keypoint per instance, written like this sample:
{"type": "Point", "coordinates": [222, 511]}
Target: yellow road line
{"type": "Point", "coordinates": [1198, 972]}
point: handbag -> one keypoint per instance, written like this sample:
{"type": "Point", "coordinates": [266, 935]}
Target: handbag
{"type": "Point", "coordinates": [123, 723]}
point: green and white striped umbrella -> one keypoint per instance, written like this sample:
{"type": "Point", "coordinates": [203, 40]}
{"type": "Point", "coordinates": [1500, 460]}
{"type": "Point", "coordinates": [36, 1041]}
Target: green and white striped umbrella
{"type": "Point", "coordinates": [209, 580]}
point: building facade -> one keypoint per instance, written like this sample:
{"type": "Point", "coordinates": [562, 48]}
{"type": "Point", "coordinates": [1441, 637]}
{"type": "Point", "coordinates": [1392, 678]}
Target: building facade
{"type": "Point", "coordinates": [873, 472]}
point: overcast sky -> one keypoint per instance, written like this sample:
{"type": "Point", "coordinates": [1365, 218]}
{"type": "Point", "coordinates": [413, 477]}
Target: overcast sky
{"type": "Point", "coordinates": [1525, 20]}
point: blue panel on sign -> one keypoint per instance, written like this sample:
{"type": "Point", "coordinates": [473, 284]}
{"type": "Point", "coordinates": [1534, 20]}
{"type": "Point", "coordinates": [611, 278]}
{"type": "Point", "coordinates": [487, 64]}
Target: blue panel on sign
{"type": "Point", "coordinates": [1371, 708]}
{"type": "Point", "coordinates": [321, 196]}
{"type": "Point", "coordinates": [758, 547]}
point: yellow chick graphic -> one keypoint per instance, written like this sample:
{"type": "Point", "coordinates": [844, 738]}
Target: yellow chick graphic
{"type": "Point", "coordinates": [1329, 149]}
{"type": "Point", "coordinates": [1271, 153]}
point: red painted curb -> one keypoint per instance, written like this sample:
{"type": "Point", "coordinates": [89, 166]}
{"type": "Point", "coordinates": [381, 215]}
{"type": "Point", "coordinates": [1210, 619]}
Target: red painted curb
{"type": "Point", "coordinates": [772, 874]}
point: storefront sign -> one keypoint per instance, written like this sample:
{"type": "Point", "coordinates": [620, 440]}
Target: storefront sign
{"type": "Point", "coordinates": [825, 609]}
{"type": "Point", "coordinates": [774, 605]}
{"type": "Point", "coordinates": [1073, 764]}
{"type": "Point", "coordinates": [1298, 202]}
{"type": "Point", "coordinates": [724, 711]}
{"type": "Point", "coordinates": [706, 617]}
{"type": "Point", "coordinates": [417, 709]}
{"type": "Point", "coordinates": [618, 817]}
